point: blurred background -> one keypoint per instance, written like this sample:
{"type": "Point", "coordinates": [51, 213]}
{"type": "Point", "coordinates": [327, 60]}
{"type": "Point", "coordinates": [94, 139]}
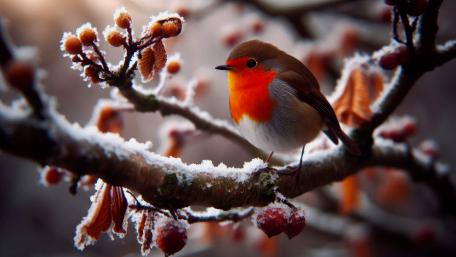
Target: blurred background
{"type": "Point", "coordinates": [40, 221]}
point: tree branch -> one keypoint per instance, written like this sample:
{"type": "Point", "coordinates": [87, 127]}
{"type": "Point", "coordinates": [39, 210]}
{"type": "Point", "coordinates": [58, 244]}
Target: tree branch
{"type": "Point", "coordinates": [168, 182]}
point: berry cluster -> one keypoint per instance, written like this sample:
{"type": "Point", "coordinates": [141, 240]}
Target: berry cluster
{"type": "Point", "coordinates": [146, 53]}
{"type": "Point", "coordinates": [278, 218]}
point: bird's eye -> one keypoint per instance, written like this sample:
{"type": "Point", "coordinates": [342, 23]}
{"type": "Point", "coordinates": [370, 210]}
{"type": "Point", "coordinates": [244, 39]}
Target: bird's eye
{"type": "Point", "coordinates": [251, 63]}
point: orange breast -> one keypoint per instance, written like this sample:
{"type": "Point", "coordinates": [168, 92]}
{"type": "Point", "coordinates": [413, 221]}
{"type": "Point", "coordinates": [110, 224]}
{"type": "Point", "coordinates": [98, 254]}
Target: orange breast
{"type": "Point", "coordinates": [249, 94]}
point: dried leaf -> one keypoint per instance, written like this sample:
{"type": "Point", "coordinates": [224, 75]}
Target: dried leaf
{"type": "Point", "coordinates": [393, 189]}
{"type": "Point", "coordinates": [317, 62]}
{"type": "Point", "coordinates": [146, 64]}
{"type": "Point", "coordinates": [147, 235]}
{"type": "Point", "coordinates": [159, 56]}
{"type": "Point", "coordinates": [140, 226]}
{"type": "Point", "coordinates": [350, 195]}
{"type": "Point", "coordinates": [352, 107]}
{"type": "Point", "coordinates": [119, 206]}
{"type": "Point", "coordinates": [98, 219]}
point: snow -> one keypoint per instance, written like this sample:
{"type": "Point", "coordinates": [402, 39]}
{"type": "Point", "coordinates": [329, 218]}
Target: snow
{"type": "Point", "coordinates": [116, 146]}
{"type": "Point", "coordinates": [190, 91]}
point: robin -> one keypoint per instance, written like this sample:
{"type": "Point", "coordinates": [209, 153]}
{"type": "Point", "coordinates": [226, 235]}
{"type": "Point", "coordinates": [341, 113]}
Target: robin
{"type": "Point", "coordinates": [276, 101]}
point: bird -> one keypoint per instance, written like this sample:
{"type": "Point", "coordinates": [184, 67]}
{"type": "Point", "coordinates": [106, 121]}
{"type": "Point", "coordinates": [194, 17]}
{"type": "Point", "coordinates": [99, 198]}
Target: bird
{"type": "Point", "coordinates": [276, 102]}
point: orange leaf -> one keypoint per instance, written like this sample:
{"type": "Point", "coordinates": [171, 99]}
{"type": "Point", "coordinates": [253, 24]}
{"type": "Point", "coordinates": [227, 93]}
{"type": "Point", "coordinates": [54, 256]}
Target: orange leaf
{"type": "Point", "coordinates": [118, 209]}
{"type": "Point", "coordinates": [98, 220]}
{"type": "Point", "coordinates": [159, 56]}
{"type": "Point", "coordinates": [393, 189]}
{"type": "Point", "coordinates": [350, 195]}
{"type": "Point", "coordinates": [146, 64]}
{"type": "Point", "coordinates": [352, 107]}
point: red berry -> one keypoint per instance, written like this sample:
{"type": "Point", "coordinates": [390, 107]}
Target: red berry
{"type": "Point", "coordinates": [295, 224]}
{"type": "Point", "coordinates": [272, 220]}
{"type": "Point", "coordinates": [51, 176]}
{"type": "Point", "coordinates": [171, 236]}
{"type": "Point", "coordinates": [393, 59]}
{"type": "Point", "coordinates": [20, 75]}
{"type": "Point", "coordinates": [409, 128]}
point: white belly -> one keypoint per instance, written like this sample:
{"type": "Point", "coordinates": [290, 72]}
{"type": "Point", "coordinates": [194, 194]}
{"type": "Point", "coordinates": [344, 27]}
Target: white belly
{"type": "Point", "coordinates": [293, 123]}
{"type": "Point", "coordinates": [285, 132]}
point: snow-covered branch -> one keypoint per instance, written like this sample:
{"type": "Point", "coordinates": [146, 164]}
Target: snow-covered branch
{"type": "Point", "coordinates": [168, 182]}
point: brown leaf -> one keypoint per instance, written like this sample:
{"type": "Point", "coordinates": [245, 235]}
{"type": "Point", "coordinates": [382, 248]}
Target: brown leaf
{"type": "Point", "coordinates": [101, 218]}
{"type": "Point", "coordinates": [393, 189]}
{"type": "Point", "coordinates": [352, 107]}
{"type": "Point", "coordinates": [160, 56]}
{"type": "Point", "coordinates": [118, 209]}
{"type": "Point", "coordinates": [98, 220]}
{"type": "Point", "coordinates": [140, 226]}
{"type": "Point", "coordinates": [349, 195]}
{"type": "Point", "coordinates": [146, 64]}
{"type": "Point", "coordinates": [147, 235]}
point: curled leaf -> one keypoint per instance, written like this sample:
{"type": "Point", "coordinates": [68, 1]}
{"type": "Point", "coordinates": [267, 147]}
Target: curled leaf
{"type": "Point", "coordinates": [146, 64]}
{"type": "Point", "coordinates": [159, 56]}
{"type": "Point", "coordinates": [98, 219]}
{"type": "Point", "coordinates": [352, 107]}
{"type": "Point", "coordinates": [119, 206]}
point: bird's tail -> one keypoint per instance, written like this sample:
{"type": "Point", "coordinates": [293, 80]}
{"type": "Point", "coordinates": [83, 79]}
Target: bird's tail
{"type": "Point", "coordinates": [334, 134]}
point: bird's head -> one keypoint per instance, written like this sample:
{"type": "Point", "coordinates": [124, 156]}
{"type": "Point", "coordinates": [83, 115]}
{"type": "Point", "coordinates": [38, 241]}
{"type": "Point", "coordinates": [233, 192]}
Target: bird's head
{"type": "Point", "coordinates": [251, 62]}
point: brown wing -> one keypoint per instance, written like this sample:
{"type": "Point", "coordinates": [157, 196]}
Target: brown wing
{"type": "Point", "coordinates": [308, 91]}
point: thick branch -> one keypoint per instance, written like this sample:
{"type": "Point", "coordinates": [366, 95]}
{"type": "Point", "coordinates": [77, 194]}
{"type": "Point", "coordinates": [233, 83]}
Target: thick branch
{"type": "Point", "coordinates": [167, 182]}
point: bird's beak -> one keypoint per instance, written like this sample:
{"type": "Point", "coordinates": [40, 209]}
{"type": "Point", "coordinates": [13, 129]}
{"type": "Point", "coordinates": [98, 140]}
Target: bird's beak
{"type": "Point", "coordinates": [224, 67]}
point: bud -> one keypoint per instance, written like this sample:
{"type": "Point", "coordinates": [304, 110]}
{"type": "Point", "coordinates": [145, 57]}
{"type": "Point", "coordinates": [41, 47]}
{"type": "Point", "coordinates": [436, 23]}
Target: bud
{"type": "Point", "coordinates": [115, 38]}
{"type": "Point", "coordinates": [92, 73]}
{"type": "Point", "coordinates": [87, 34]}
{"type": "Point", "coordinates": [173, 67]}
{"type": "Point", "coordinates": [231, 36]}
{"type": "Point", "coordinates": [171, 236]}
{"type": "Point", "coordinates": [395, 58]}
{"type": "Point", "coordinates": [182, 11]}
{"type": "Point", "coordinates": [20, 75]}
{"type": "Point", "coordinates": [171, 27]}
{"type": "Point", "coordinates": [271, 220]}
{"type": "Point", "coordinates": [295, 224]}
{"type": "Point", "coordinates": [255, 24]}
{"type": "Point", "coordinates": [109, 120]}
{"type": "Point", "coordinates": [155, 29]}
{"type": "Point", "coordinates": [122, 18]}
{"type": "Point", "coordinates": [71, 44]}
